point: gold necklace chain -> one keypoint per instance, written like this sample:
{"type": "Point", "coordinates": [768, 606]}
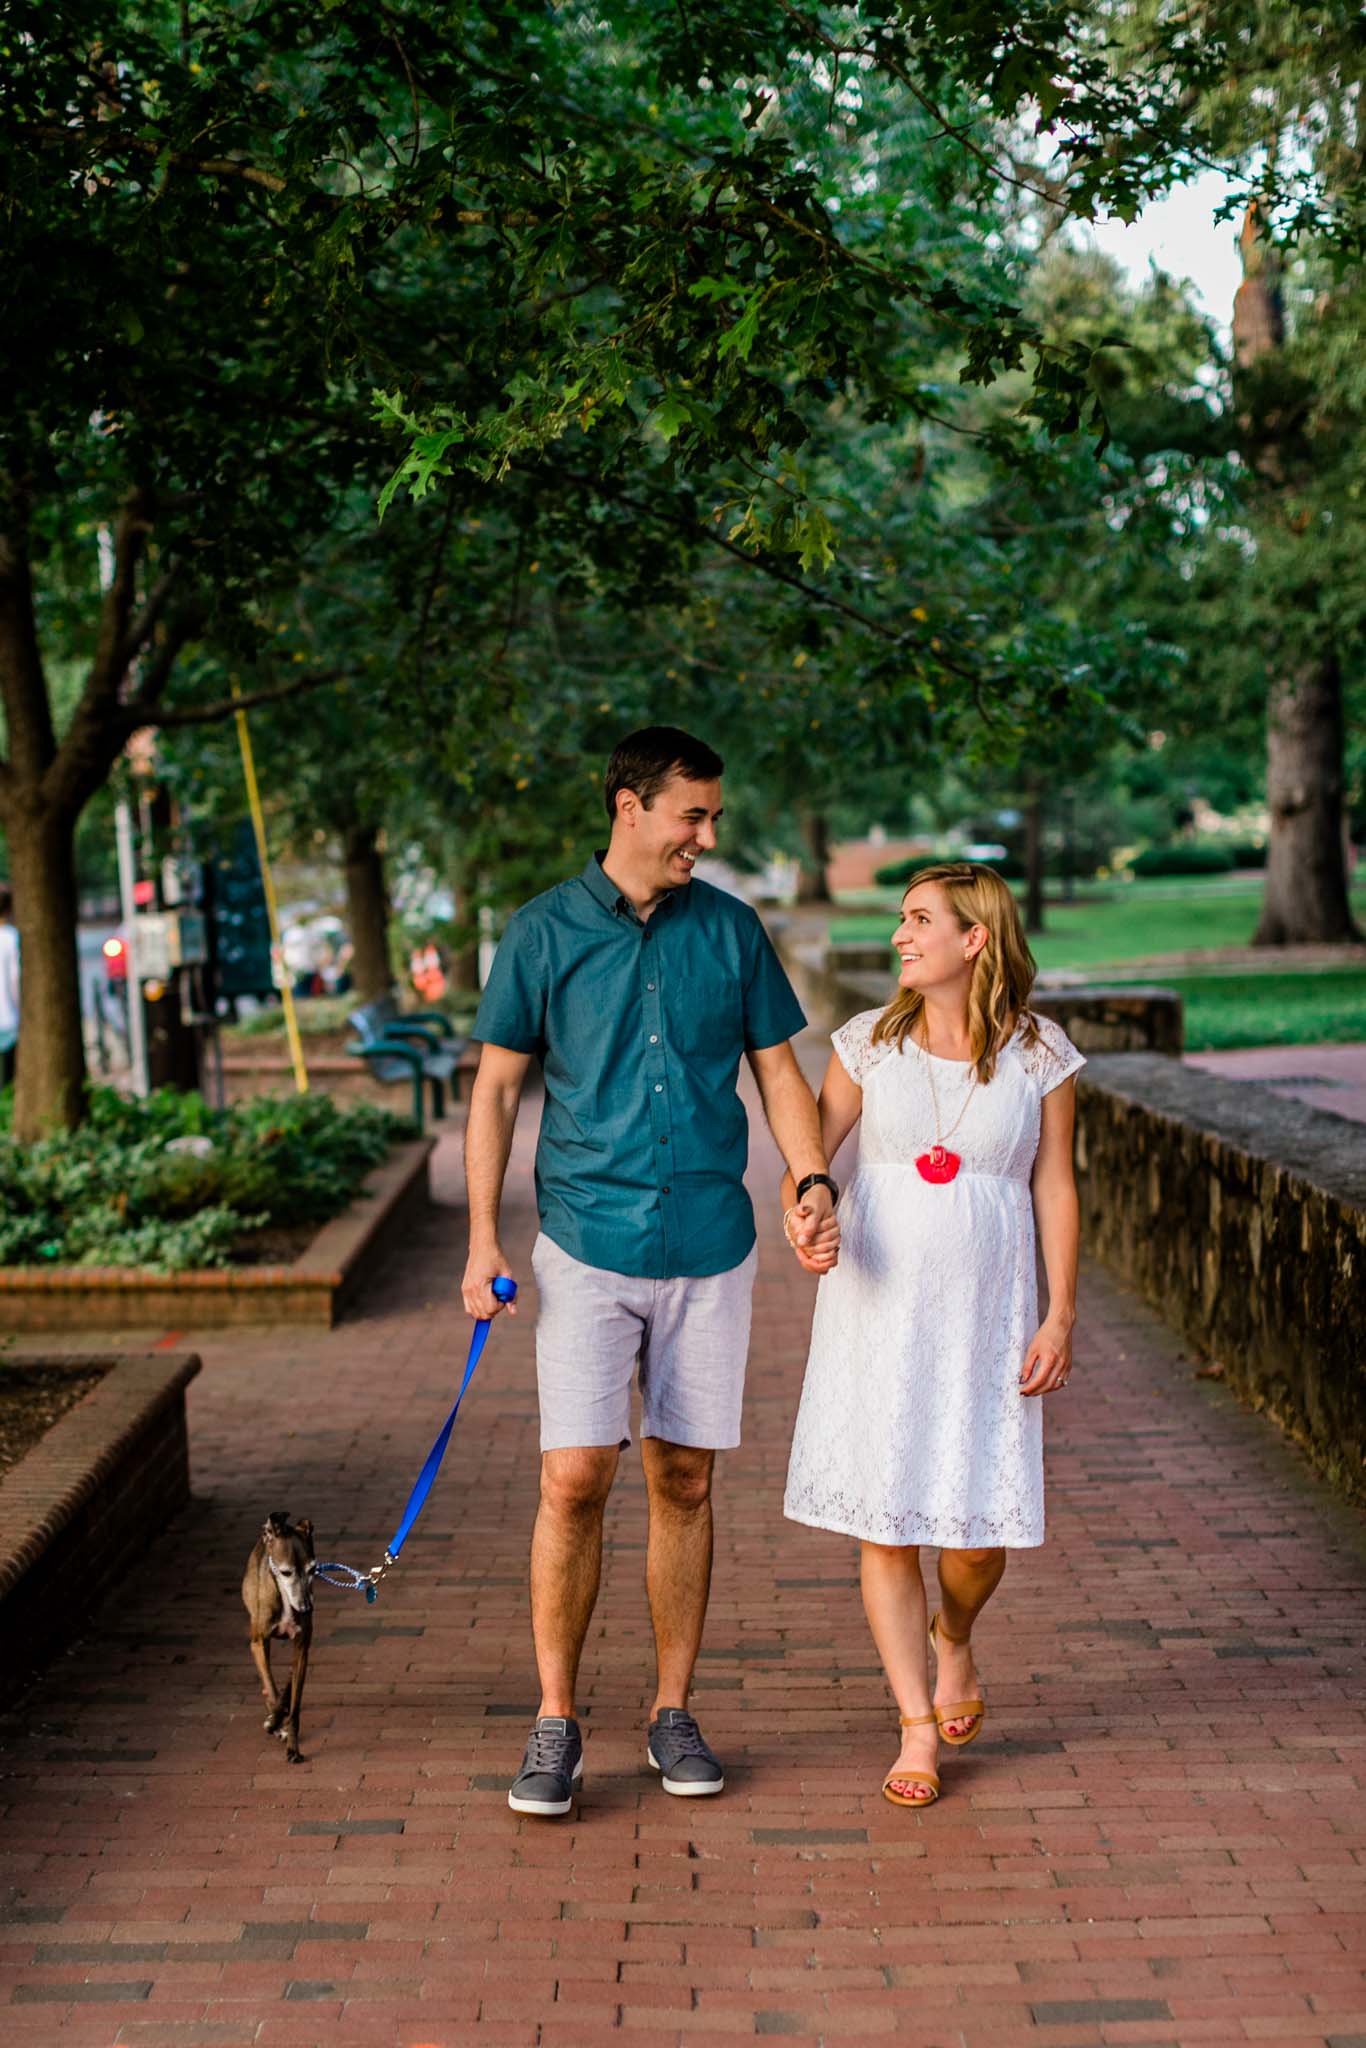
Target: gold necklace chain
{"type": "Point", "coordinates": [941, 1136]}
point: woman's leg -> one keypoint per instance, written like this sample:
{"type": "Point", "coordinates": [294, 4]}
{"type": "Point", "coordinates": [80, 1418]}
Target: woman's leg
{"type": "Point", "coordinates": [967, 1580]}
{"type": "Point", "coordinates": [894, 1602]}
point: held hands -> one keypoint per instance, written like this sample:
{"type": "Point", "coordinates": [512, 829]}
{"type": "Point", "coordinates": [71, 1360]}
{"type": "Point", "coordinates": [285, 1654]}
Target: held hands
{"type": "Point", "coordinates": [484, 1265]}
{"type": "Point", "coordinates": [1047, 1359]}
{"type": "Point", "coordinates": [812, 1231]}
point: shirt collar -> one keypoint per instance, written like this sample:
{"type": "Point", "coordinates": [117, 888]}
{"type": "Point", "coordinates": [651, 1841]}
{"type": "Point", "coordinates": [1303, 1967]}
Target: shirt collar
{"type": "Point", "coordinates": [605, 891]}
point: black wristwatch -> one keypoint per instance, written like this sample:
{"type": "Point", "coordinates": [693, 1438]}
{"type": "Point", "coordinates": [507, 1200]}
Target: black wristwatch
{"type": "Point", "coordinates": [818, 1180]}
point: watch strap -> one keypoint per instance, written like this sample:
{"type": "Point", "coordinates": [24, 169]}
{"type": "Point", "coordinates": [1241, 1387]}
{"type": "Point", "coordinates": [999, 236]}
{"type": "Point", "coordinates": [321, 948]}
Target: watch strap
{"type": "Point", "coordinates": [818, 1180]}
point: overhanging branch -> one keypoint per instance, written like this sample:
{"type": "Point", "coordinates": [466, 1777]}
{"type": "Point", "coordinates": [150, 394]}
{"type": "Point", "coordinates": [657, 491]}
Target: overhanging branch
{"type": "Point", "coordinates": [170, 717]}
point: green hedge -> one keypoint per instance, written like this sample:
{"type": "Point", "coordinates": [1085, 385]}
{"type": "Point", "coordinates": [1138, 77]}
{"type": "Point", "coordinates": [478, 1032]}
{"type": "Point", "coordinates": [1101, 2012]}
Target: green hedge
{"type": "Point", "coordinates": [1183, 860]}
{"type": "Point", "coordinates": [112, 1193]}
{"type": "Point", "coordinates": [899, 872]}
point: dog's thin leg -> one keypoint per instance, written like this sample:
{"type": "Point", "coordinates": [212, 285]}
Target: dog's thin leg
{"type": "Point", "coordinates": [296, 1698]}
{"type": "Point", "coordinates": [260, 1650]}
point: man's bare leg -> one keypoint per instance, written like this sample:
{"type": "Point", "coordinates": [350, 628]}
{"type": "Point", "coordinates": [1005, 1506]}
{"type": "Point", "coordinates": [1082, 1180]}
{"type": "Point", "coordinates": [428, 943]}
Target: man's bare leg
{"type": "Point", "coordinates": [678, 1561]}
{"type": "Point", "coordinates": [566, 1565]}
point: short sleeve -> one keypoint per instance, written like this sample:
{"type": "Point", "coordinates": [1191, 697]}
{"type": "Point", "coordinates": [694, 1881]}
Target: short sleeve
{"type": "Point", "coordinates": [772, 1012]}
{"type": "Point", "coordinates": [853, 1042]}
{"type": "Point", "coordinates": [512, 1009]}
{"type": "Point", "coordinates": [1051, 1058]}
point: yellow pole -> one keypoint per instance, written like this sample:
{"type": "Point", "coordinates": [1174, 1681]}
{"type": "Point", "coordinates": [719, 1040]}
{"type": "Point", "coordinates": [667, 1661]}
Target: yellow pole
{"type": "Point", "coordinates": [296, 1047]}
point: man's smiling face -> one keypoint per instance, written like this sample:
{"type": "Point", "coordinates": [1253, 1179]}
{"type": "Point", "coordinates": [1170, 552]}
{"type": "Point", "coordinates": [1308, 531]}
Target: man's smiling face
{"type": "Point", "coordinates": [679, 826]}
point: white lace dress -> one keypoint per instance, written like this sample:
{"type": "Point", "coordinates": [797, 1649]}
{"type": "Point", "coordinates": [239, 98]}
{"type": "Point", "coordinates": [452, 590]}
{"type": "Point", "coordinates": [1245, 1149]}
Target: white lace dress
{"type": "Point", "coordinates": [912, 1428]}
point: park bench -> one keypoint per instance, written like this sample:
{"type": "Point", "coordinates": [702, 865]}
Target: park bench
{"type": "Point", "coordinates": [408, 1045]}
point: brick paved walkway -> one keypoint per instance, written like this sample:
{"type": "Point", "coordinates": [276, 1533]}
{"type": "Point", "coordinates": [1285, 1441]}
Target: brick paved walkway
{"type": "Point", "coordinates": [1160, 1838]}
{"type": "Point", "coordinates": [1331, 1077]}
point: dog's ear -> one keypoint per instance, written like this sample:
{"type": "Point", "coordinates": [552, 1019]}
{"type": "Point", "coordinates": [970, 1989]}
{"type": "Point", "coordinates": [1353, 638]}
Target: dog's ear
{"type": "Point", "coordinates": [305, 1527]}
{"type": "Point", "coordinates": [276, 1524]}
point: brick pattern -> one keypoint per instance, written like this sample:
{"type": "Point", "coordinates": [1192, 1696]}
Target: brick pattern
{"type": "Point", "coordinates": [86, 1501]}
{"type": "Point", "coordinates": [324, 1278]}
{"type": "Point", "coordinates": [1155, 1841]}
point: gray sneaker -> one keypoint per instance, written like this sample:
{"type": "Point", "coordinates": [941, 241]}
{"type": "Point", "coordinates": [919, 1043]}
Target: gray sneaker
{"type": "Point", "coordinates": [551, 1768]}
{"type": "Point", "coordinates": [677, 1751]}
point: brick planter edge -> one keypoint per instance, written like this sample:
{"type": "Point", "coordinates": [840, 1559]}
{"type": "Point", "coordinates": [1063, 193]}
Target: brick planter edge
{"type": "Point", "coordinates": [311, 1290]}
{"type": "Point", "coordinates": [84, 1503]}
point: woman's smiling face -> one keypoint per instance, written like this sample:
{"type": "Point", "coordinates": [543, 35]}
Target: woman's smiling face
{"type": "Point", "coordinates": [932, 944]}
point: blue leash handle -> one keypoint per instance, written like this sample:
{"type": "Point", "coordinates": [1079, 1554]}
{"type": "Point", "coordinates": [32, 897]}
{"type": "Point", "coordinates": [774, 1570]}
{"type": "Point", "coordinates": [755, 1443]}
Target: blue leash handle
{"type": "Point", "coordinates": [504, 1290]}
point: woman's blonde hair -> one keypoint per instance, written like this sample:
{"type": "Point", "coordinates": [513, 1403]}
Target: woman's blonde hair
{"type": "Point", "coordinates": [1002, 973]}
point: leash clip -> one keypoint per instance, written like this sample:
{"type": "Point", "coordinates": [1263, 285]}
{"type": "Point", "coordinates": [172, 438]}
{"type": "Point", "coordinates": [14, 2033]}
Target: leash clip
{"type": "Point", "coordinates": [376, 1574]}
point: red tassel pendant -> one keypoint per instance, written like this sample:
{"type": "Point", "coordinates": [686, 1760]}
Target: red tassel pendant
{"type": "Point", "coordinates": [938, 1164]}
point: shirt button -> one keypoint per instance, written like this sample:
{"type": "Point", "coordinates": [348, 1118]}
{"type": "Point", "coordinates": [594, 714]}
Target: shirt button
{"type": "Point", "coordinates": [650, 985]}
{"type": "Point", "coordinates": [663, 1141]}
{"type": "Point", "coordinates": [666, 1190]}
{"type": "Point", "coordinates": [659, 1087]}
{"type": "Point", "coordinates": [654, 1038]}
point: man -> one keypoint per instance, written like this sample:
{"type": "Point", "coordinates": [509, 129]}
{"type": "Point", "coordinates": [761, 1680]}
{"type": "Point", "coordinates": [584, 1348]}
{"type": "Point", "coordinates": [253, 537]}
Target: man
{"type": "Point", "coordinates": [638, 989]}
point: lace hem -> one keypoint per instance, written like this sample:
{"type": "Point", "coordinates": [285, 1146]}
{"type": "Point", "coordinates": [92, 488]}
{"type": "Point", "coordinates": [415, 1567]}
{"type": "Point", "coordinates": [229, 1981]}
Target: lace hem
{"type": "Point", "coordinates": [938, 1532]}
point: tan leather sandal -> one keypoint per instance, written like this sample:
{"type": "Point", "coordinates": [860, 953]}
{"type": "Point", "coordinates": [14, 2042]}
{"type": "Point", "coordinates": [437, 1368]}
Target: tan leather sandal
{"type": "Point", "coordinates": [957, 1710]}
{"type": "Point", "coordinates": [911, 1777]}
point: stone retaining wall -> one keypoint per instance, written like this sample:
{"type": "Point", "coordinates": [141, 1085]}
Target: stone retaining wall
{"type": "Point", "coordinates": [85, 1502]}
{"type": "Point", "coordinates": [1242, 1218]}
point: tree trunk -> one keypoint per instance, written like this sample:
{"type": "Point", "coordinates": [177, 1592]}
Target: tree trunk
{"type": "Point", "coordinates": [49, 1080]}
{"type": "Point", "coordinates": [811, 883]}
{"type": "Point", "coordinates": [1033, 916]}
{"type": "Point", "coordinates": [464, 968]}
{"type": "Point", "coordinates": [367, 904]}
{"type": "Point", "coordinates": [1306, 899]}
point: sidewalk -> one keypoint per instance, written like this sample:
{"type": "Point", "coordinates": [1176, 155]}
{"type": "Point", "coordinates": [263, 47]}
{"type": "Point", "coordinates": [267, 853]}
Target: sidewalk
{"type": "Point", "coordinates": [1331, 1077]}
{"type": "Point", "coordinates": [1160, 1838]}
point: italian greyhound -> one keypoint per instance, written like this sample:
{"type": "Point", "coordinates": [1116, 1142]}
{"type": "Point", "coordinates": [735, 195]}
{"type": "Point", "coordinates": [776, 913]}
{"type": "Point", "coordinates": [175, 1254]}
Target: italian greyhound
{"type": "Point", "coordinates": [277, 1592]}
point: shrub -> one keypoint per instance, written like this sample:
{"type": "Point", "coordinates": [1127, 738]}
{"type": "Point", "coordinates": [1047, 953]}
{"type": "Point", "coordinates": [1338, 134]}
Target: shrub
{"type": "Point", "coordinates": [1248, 854]}
{"type": "Point", "coordinates": [111, 1193]}
{"type": "Point", "coordinates": [1193, 859]}
{"type": "Point", "coordinates": [899, 872]}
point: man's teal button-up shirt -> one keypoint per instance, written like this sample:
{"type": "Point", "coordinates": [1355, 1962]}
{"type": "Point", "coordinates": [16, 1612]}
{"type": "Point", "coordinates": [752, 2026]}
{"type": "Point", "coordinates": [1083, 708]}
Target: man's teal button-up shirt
{"type": "Point", "coordinates": [639, 1027]}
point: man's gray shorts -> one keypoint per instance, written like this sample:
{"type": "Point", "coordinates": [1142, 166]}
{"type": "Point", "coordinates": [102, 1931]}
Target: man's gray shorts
{"type": "Point", "coordinates": [690, 1338]}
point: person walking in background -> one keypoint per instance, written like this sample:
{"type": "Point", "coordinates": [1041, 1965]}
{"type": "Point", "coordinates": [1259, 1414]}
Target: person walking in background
{"type": "Point", "coordinates": [920, 1421]}
{"type": "Point", "coordinates": [9, 987]}
{"type": "Point", "coordinates": [638, 989]}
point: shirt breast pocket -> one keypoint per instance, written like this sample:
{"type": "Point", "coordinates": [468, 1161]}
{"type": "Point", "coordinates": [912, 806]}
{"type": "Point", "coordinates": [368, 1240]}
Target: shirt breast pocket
{"type": "Point", "coordinates": [704, 1013]}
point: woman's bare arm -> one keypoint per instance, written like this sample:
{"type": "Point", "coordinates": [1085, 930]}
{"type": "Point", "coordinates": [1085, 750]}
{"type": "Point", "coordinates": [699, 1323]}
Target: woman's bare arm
{"type": "Point", "coordinates": [840, 1105]}
{"type": "Point", "coordinates": [1048, 1358]}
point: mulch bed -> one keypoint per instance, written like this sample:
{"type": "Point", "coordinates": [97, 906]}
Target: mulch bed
{"type": "Point", "coordinates": [33, 1397]}
{"type": "Point", "coordinates": [280, 1245]}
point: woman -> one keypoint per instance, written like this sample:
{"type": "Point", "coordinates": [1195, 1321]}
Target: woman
{"type": "Point", "coordinates": [920, 1419]}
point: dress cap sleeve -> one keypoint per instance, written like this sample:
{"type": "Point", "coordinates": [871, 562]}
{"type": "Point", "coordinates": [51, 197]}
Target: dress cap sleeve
{"type": "Point", "coordinates": [1051, 1058]}
{"type": "Point", "coordinates": [854, 1044]}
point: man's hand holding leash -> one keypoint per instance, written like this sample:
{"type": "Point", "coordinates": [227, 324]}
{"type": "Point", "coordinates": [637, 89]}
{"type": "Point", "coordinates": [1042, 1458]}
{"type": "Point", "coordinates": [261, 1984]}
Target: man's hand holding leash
{"type": "Point", "coordinates": [484, 1265]}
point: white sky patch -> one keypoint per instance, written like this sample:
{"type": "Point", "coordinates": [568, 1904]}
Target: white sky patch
{"type": "Point", "coordinates": [1181, 235]}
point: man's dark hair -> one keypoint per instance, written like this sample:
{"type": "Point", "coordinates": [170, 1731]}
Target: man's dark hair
{"type": "Point", "coordinates": [6, 899]}
{"type": "Point", "coordinates": [645, 760]}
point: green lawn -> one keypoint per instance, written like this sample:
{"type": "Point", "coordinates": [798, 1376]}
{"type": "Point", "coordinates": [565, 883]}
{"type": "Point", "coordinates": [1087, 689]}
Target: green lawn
{"type": "Point", "coordinates": [1112, 923]}
{"type": "Point", "coordinates": [1226, 1010]}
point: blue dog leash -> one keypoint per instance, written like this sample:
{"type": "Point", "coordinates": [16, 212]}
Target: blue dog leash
{"type": "Point", "coordinates": [354, 1581]}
